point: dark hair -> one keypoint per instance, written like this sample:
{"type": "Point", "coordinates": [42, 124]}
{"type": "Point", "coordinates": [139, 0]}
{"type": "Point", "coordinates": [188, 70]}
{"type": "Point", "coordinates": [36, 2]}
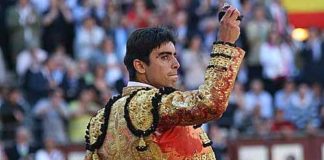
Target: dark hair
{"type": "Point", "coordinates": [141, 43]}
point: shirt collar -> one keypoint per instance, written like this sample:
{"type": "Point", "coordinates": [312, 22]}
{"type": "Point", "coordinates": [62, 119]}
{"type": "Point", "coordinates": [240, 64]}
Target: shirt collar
{"type": "Point", "coordinates": [138, 84]}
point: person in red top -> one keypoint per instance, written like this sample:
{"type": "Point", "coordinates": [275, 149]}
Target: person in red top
{"type": "Point", "coordinates": [282, 126]}
{"type": "Point", "coordinates": [139, 15]}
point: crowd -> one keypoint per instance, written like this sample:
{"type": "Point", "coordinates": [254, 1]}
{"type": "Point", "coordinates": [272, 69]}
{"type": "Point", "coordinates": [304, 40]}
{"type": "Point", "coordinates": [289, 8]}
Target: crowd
{"type": "Point", "coordinates": [60, 61]}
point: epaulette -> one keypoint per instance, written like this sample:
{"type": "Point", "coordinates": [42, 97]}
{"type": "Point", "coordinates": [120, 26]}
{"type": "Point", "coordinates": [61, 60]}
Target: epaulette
{"type": "Point", "coordinates": [97, 128]}
{"type": "Point", "coordinates": [141, 112]}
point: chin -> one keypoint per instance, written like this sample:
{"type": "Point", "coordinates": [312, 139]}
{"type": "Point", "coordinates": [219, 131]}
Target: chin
{"type": "Point", "coordinates": [173, 85]}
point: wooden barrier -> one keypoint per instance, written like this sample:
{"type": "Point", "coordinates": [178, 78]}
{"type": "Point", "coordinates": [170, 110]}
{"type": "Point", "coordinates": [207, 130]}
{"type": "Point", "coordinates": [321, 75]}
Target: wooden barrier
{"type": "Point", "coordinates": [296, 148]}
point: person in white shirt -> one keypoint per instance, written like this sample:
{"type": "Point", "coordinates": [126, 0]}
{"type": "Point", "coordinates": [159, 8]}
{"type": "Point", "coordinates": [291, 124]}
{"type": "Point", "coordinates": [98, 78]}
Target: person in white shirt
{"type": "Point", "coordinates": [50, 151]}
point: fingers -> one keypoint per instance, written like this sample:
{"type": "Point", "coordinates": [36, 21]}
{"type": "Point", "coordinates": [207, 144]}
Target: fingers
{"type": "Point", "coordinates": [234, 15]}
{"type": "Point", "coordinates": [237, 23]}
{"type": "Point", "coordinates": [229, 30]}
{"type": "Point", "coordinates": [228, 13]}
{"type": "Point", "coordinates": [231, 14]}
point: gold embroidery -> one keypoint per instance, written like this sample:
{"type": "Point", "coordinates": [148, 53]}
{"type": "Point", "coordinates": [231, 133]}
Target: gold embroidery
{"type": "Point", "coordinates": [152, 153]}
{"type": "Point", "coordinates": [205, 156]}
{"type": "Point", "coordinates": [211, 99]}
{"type": "Point", "coordinates": [223, 49]}
{"type": "Point", "coordinates": [95, 125]}
{"type": "Point", "coordinates": [220, 61]}
{"type": "Point", "coordinates": [95, 156]}
{"type": "Point", "coordinates": [204, 138]}
{"type": "Point", "coordinates": [140, 108]}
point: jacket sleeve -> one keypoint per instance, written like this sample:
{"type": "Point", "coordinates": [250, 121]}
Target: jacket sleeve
{"type": "Point", "coordinates": [211, 99]}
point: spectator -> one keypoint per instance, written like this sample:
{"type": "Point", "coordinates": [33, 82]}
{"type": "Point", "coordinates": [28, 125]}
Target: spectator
{"type": "Point", "coordinates": [302, 110]}
{"type": "Point", "coordinates": [256, 31]}
{"type": "Point", "coordinates": [283, 96]}
{"type": "Point", "coordinates": [53, 113]}
{"type": "Point", "coordinates": [138, 16]}
{"type": "Point", "coordinates": [281, 126]}
{"type": "Point", "coordinates": [279, 16]}
{"type": "Point", "coordinates": [3, 155]}
{"type": "Point", "coordinates": [23, 25]}
{"type": "Point", "coordinates": [312, 57]}
{"type": "Point", "coordinates": [260, 127]}
{"type": "Point", "coordinates": [2, 95]}
{"type": "Point", "coordinates": [209, 31]}
{"type": "Point", "coordinates": [194, 61]}
{"type": "Point", "coordinates": [72, 83]}
{"type": "Point", "coordinates": [22, 149]}
{"type": "Point", "coordinates": [257, 97]}
{"type": "Point", "coordinates": [38, 82]}
{"type": "Point", "coordinates": [100, 82]}
{"type": "Point", "coordinates": [50, 151]}
{"type": "Point", "coordinates": [318, 96]}
{"type": "Point", "coordinates": [237, 102]}
{"type": "Point", "coordinates": [218, 136]}
{"type": "Point", "coordinates": [81, 10]}
{"type": "Point", "coordinates": [88, 39]}
{"type": "Point", "coordinates": [121, 33]}
{"type": "Point", "coordinates": [3, 69]}
{"type": "Point", "coordinates": [108, 57]}
{"type": "Point", "coordinates": [321, 117]}
{"type": "Point", "coordinates": [113, 13]}
{"type": "Point", "coordinates": [30, 58]}
{"type": "Point", "coordinates": [57, 26]}
{"type": "Point", "coordinates": [61, 54]}
{"type": "Point", "coordinates": [181, 28]}
{"type": "Point", "coordinates": [12, 114]}
{"type": "Point", "coordinates": [81, 111]}
{"type": "Point", "coordinates": [84, 71]}
{"type": "Point", "coordinates": [276, 59]}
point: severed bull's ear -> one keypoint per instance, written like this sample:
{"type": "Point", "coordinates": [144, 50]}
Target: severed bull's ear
{"type": "Point", "coordinates": [223, 10]}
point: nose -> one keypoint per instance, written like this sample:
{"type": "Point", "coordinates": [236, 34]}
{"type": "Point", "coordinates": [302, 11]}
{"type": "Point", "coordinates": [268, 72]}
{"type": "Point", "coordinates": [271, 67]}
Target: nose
{"type": "Point", "coordinates": [175, 63]}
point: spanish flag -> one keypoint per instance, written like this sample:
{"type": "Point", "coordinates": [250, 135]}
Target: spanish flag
{"type": "Point", "coordinates": [305, 13]}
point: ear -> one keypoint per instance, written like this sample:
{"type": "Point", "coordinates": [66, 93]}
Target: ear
{"type": "Point", "coordinates": [139, 66]}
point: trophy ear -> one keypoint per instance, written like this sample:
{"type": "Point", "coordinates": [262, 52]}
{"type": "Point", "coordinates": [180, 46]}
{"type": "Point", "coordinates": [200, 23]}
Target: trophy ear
{"type": "Point", "coordinates": [222, 11]}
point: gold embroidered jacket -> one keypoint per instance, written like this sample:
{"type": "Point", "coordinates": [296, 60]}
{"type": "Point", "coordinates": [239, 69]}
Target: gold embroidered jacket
{"type": "Point", "coordinates": [150, 123]}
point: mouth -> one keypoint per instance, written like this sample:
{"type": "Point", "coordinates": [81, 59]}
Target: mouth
{"type": "Point", "coordinates": [175, 76]}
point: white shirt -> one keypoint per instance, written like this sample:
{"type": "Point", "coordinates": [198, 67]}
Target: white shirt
{"type": "Point", "coordinates": [53, 155]}
{"type": "Point", "coordinates": [134, 84]}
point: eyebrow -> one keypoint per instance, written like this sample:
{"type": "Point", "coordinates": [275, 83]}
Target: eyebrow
{"type": "Point", "coordinates": [166, 53]}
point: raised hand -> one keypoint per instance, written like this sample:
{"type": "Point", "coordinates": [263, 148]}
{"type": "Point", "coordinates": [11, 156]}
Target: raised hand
{"type": "Point", "coordinates": [229, 30]}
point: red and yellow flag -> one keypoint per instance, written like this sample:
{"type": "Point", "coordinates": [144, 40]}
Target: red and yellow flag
{"type": "Point", "coordinates": [305, 13]}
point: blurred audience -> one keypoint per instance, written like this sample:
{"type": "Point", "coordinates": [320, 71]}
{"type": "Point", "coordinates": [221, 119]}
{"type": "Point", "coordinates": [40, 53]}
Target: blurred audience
{"type": "Point", "coordinates": [12, 114]}
{"type": "Point", "coordinates": [257, 30]}
{"type": "Point", "coordinates": [57, 26]}
{"type": "Point", "coordinates": [194, 61]}
{"type": "Point", "coordinates": [53, 113]}
{"type": "Point", "coordinates": [257, 98]}
{"type": "Point", "coordinates": [50, 151]}
{"type": "Point", "coordinates": [30, 58]}
{"type": "Point", "coordinates": [38, 81]}
{"type": "Point", "coordinates": [3, 155]}
{"type": "Point", "coordinates": [281, 126]}
{"type": "Point", "coordinates": [23, 148]}
{"type": "Point", "coordinates": [88, 39]}
{"type": "Point", "coordinates": [60, 61]}
{"type": "Point", "coordinates": [23, 25]}
{"type": "Point", "coordinates": [81, 111]}
{"type": "Point", "coordinates": [303, 111]}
